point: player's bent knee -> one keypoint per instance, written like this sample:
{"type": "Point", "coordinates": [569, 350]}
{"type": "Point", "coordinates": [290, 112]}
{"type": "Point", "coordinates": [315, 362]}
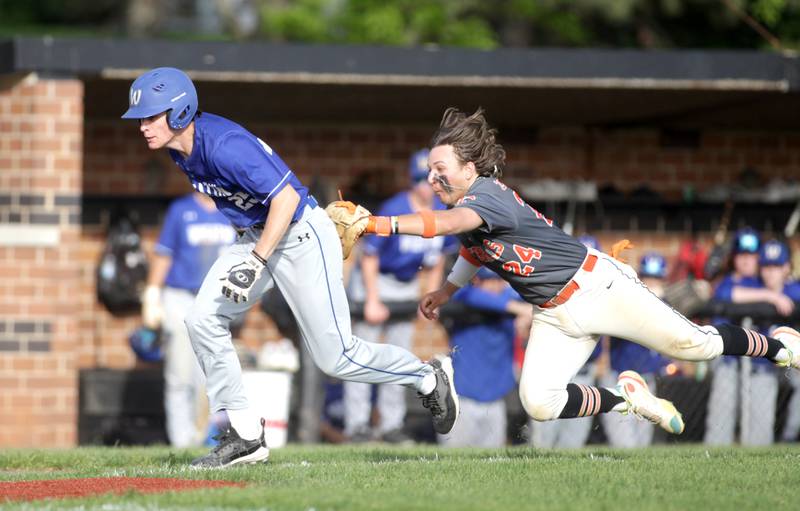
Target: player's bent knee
{"type": "Point", "coordinates": [539, 404]}
{"type": "Point", "coordinates": [696, 346]}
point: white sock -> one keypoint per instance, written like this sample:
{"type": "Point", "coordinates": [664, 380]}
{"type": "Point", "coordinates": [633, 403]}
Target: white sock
{"type": "Point", "coordinates": [246, 423]}
{"type": "Point", "coordinates": [427, 384]}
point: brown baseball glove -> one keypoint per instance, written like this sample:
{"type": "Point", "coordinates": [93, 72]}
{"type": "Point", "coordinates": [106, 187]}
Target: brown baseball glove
{"type": "Point", "coordinates": [350, 220]}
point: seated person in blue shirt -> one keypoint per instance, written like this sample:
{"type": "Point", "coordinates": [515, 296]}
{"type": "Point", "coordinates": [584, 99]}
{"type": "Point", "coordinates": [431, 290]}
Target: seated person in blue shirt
{"type": "Point", "coordinates": [482, 352]}
{"type": "Point", "coordinates": [626, 431]}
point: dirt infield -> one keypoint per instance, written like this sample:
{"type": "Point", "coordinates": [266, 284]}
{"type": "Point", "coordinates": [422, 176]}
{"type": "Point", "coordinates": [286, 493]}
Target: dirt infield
{"type": "Point", "coordinates": [69, 488]}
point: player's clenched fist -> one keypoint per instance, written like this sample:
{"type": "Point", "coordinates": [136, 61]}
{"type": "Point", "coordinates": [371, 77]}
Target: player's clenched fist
{"type": "Point", "coordinates": [351, 221]}
{"type": "Point", "coordinates": [430, 303]}
{"type": "Point", "coordinates": [237, 284]}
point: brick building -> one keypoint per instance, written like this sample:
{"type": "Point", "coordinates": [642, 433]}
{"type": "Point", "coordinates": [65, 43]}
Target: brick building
{"type": "Point", "coordinates": [670, 124]}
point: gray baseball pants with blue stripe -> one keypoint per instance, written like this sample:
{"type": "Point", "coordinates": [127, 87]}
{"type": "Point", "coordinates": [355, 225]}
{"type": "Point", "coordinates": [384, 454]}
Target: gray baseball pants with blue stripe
{"type": "Point", "coordinates": [307, 268]}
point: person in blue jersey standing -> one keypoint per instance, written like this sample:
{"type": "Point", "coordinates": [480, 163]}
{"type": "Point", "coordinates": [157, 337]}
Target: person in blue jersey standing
{"type": "Point", "coordinates": [389, 271]}
{"type": "Point", "coordinates": [284, 240]}
{"type": "Point", "coordinates": [626, 431]}
{"type": "Point", "coordinates": [193, 235]}
{"type": "Point", "coordinates": [483, 357]}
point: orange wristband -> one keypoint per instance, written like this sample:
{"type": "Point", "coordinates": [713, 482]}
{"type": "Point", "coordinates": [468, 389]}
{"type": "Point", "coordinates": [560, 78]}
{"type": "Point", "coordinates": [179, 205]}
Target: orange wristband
{"type": "Point", "coordinates": [428, 224]}
{"type": "Point", "coordinates": [380, 225]}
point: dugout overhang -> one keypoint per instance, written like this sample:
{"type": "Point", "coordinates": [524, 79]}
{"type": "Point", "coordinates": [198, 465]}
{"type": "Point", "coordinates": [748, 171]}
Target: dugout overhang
{"type": "Point", "coordinates": [522, 87]}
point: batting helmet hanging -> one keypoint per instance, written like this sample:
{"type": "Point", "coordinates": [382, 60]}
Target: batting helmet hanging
{"type": "Point", "coordinates": [164, 89]}
{"type": "Point", "coordinates": [146, 343]}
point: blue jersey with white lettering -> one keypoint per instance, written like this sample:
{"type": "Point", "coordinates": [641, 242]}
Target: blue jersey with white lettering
{"type": "Point", "coordinates": [237, 169]}
{"type": "Point", "coordinates": [193, 237]}
{"type": "Point", "coordinates": [402, 255]}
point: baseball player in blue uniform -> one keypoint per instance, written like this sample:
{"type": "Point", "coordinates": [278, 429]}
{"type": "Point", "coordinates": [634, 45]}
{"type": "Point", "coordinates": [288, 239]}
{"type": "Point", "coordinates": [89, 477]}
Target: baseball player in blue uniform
{"type": "Point", "coordinates": [284, 240]}
{"type": "Point", "coordinates": [193, 235]}
{"type": "Point", "coordinates": [389, 271]}
{"type": "Point", "coordinates": [577, 293]}
{"type": "Point", "coordinates": [483, 358]}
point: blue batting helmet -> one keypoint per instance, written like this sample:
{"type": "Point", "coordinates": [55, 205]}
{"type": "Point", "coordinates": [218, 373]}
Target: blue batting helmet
{"type": "Point", "coordinates": [653, 265]}
{"type": "Point", "coordinates": [164, 89]}
{"type": "Point", "coordinates": [418, 165]}
{"type": "Point", "coordinates": [146, 343]}
{"type": "Point", "coordinates": [746, 241]}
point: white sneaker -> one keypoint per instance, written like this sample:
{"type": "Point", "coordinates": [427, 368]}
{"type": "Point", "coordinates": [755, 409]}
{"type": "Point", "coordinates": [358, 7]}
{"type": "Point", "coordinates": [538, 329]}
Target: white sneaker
{"type": "Point", "coordinates": [643, 404]}
{"type": "Point", "coordinates": [791, 341]}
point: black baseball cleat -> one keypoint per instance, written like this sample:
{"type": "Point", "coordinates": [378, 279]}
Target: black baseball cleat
{"type": "Point", "coordinates": [233, 450]}
{"type": "Point", "coordinates": [443, 401]}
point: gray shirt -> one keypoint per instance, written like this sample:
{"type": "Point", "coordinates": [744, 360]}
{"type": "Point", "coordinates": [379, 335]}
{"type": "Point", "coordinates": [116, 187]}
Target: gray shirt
{"type": "Point", "coordinates": [519, 243]}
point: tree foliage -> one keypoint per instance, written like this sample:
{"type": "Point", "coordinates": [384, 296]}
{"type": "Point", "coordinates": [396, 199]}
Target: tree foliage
{"type": "Point", "coordinates": [466, 23]}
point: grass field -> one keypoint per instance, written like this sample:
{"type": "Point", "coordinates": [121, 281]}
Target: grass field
{"type": "Point", "coordinates": [431, 478]}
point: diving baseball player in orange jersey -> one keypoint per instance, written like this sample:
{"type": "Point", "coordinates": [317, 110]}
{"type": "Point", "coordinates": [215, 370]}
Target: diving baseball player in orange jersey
{"type": "Point", "coordinates": [577, 294]}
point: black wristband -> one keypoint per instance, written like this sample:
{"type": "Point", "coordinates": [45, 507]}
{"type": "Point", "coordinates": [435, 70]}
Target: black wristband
{"type": "Point", "coordinates": [259, 258]}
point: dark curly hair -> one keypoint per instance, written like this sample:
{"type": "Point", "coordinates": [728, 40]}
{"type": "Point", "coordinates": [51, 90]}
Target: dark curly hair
{"type": "Point", "coordinates": [472, 140]}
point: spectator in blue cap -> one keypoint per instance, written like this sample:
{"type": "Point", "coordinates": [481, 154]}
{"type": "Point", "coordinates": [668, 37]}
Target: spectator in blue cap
{"type": "Point", "coordinates": [744, 285]}
{"type": "Point", "coordinates": [626, 431]}
{"type": "Point", "coordinates": [724, 396]}
{"type": "Point", "coordinates": [776, 276]}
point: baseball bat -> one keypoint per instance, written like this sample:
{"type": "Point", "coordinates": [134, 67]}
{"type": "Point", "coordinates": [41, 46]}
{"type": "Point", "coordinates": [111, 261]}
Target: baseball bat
{"type": "Point", "coordinates": [719, 254]}
{"type": "Point", "coordinates": [791, 224]}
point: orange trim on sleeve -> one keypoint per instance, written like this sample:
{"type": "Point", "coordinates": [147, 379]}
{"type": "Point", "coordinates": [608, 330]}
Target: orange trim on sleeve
{"type": "Point", "coordinates": [428, 224]}
{"type": "Point", "coordinates": [463, 252]}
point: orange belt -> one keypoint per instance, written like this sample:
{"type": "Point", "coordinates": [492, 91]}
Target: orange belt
{"type": "Point", "coordinates": [572, 286]}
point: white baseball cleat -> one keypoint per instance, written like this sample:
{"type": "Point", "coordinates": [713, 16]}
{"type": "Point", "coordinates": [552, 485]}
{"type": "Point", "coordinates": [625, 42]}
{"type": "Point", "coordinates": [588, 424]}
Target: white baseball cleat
{"type": "Point", "coordinates": [791, 341]}
{"type": "Point", "coordinates": [643, 404]}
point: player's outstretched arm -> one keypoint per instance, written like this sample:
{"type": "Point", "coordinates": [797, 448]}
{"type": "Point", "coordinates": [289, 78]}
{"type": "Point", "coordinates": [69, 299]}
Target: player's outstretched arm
{"type": "Point", "coordinates": [426, 223]}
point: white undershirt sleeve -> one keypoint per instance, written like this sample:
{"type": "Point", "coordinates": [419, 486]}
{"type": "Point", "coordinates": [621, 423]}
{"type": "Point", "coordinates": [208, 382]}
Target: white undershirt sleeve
{"type": "Point", "coordinates": [462, 272]}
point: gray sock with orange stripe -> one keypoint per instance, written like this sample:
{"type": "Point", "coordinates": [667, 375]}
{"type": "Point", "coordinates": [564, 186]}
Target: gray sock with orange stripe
{"type": "Point", "coordinates": [748, 343]}
{"type": "Point", "coordinates": [586, 400]}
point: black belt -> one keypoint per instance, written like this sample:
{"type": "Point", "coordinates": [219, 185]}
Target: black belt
{"type": "Point", "coordinates": [310, 201]}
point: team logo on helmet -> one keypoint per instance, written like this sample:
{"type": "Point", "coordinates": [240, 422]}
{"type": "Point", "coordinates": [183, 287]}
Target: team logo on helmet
{"type": "Point", "coordinates": [136, 95]}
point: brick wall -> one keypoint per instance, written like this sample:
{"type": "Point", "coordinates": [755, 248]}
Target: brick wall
{"type": "Point", "coordinates": [54, 164]}
{"type": "Point", "coordinates": [41, 132]}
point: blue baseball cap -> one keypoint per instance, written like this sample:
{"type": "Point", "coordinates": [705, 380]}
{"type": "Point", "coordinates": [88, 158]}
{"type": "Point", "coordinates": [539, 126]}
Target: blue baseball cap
{"type": "Point", "coordinates": [653, 265]}
{"type": "Point", "coordinates": [773, 253]}
{"type": "Point", "coordinates": [589, 241]}
{"type": "Point", "coordinates": [746, 241]}
{"type": "Point", "coordinates": [418, 165]}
